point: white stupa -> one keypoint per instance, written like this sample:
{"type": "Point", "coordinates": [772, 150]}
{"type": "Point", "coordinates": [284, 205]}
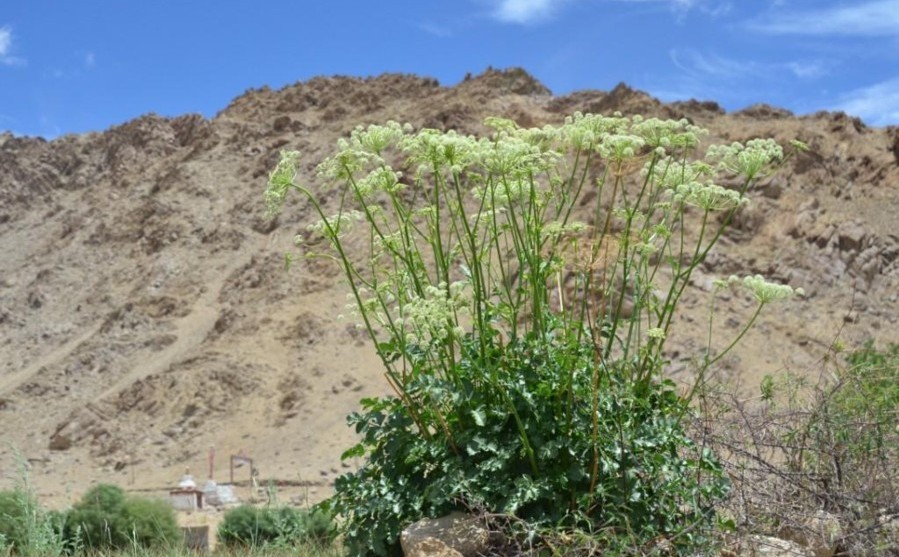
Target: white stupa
{"type": "Point", "coordinates": [187, 481]}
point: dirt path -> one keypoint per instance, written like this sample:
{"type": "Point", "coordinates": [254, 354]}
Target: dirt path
{"type": "Point", "coordinates": [191, 330]}
{"type": "Point", "coordinates": [14, 380]}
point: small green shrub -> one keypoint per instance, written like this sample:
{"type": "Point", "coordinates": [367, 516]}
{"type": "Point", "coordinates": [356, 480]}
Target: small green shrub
{"type": "Point", "coordinates": [865, 402]}
{"type": "Point", "coordinates": [14, 505]}
{"type": "Point", "coordinates": [150, 522]}
{"type": "Point", "coordinates": [850, 434]}
{"type": "Point", "coordinates": [106, 517]}
{"type": "Point", "coordinates": [11, 520]}
{"type": "Point", "coordinates": [26, 529]}
{"type": "Point", "coordinates": [319, 528]}
{"type": "Point", "coordinates": [251, 526]}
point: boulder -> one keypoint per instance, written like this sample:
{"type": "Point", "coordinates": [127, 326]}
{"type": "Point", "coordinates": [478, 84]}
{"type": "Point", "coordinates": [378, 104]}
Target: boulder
{"type": "Point", "coordinates": [766, 546]}
{"type": "Point", "coordinates": [454, 535]}
{"type": "Point", "coordinates": [819, 533]}
{"type": "Point", "coordinates": [851, 236]}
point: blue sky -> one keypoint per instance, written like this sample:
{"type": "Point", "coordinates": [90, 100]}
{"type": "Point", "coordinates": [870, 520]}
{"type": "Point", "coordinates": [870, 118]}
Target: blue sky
{"type": "Point", "coordinates": [74, 66]}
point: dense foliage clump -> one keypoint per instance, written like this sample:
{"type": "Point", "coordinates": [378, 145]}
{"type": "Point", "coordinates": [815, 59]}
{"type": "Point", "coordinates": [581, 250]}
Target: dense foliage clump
{"type": "Point", "coordinates": [614, 459]}
{"type": "Point", "coordinates": [250, 526]}
{"type": "Point", "coordinates": [26, 528]}
{"type": "Point", "coordinates": [107, 518]}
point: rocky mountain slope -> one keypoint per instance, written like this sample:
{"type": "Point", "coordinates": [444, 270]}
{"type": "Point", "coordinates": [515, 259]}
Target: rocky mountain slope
{"type": "Point", "coordinates": [146, 315]}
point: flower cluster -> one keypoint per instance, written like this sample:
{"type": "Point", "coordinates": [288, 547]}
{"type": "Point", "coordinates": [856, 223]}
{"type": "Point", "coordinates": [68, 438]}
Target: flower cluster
{"type": "Point", "coordinates": [281, 180]}
{"type": "Point", "coordinates": [382, 178]}
{"type": "Point", "coordinates": [361, 151]}
{"type": "Point", "coordinates": [669, 173]}
{"type": "Point", "coordinates": [620, 147]}
{"type": "Point", "coordinates": [762, 290]}
{"type": "Point", "coordinates": [668, 134]}
{"type": "Point", "coordinates": [585, 132]}
{"type": "Point", "coordinates": [513, 157]}
{"type": "Point", "coordinates": [752, 160]}
{"type": "Point", "coordinates": [430, 319]}
{"type": "Point", "coordinates": [709, 197]}
{"type": "Point", "coordinates": [436, 149]}
{"type": "Point", "coordinates": [335, 226]}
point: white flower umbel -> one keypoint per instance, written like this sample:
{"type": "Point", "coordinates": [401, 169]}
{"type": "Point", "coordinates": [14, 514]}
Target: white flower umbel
{"type": "Point", "coordinates": [766, 292]}
{"type": "Point", "coordinates": [584, 132]}
{"type": "Point", "coordinates": [668, 173]}
{"type": "Point", "coordinates": [668, 134]}
{"type": "Point", "coordinates": [375, 139]}
{"type": "Point", "coordinates": [381, 179]}
{"type": "Point", "coordinates": [710, 197]}
{"type": "Point", "coordinates": [621, 147]}
{"type": "Point", "coordinates": [281, 180]}
{"type": "Point", "coordinates": [430, 319]}
{"type": "Point", "coordinates": [337, 225]}
{"type": "Point", "coordinates": [753, 160]}
{"type": "Point", "coordinates": [436, 149]}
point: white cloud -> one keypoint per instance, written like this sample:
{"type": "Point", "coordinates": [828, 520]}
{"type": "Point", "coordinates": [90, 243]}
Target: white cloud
{"type": "Point", "coordinates": [709, 7]}
{"type": "Point", "coordinates": [6, 44]}
{"type": "Point", "coordinates": [807, 69]}
{"type": "Point", "coordinates": [868, 18]}
{"type": "Point", "coordinates": [524, 11]}
{"type": "Point", "coordinates": [877, 104]}
{"type": "Point", "coordinates": [5, 40]}
{"type": "Point", "coordinates": [697, 65]}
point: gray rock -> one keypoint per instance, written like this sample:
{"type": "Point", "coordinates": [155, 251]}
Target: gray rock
{"type": "Point", "coordinates": [455, 535]}
{"type": "Point", "coordinates": [851, 236]}
{"type": "Point", "coordinates": [430, 547]}
{"type": "Point", "coordinates": [819, 533]}
{"type": "Point", "coordinates": [766, 546]}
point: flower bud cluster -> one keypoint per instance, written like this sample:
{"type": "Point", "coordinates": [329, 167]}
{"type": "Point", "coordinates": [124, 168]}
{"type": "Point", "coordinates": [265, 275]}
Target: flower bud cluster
{"type": "Point", "coordinates": [335, 226]}
{"type": "Point", "coordinates": [361, 151]}
{"type": "Point", "coordinates": [585, 132]}
{"type": "Point", "coordinates": [709, 197]}
{"type": "Point", "coordinates": [620, 147]}
{"type": "Point", "coordinates": [668, 134]}
{"type": "Point", "coordinates": [432, 149]}
{"type": "Point", "coordinates": [762, 290]}
{"type": "Point", "coordinates": [752, 160]}
{"type": "Point", "coordinates": [557, 229]}
{"type": "Point", "coordinates": [430, 319]}
{"type": "Point", "coordinates": [382, 178]}
{"type": "Point", "coordinates": [281, 180]}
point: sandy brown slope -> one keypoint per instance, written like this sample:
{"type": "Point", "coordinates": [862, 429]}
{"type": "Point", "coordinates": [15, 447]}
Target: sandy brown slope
{"type": "Point", "coordinates": [145, 314]}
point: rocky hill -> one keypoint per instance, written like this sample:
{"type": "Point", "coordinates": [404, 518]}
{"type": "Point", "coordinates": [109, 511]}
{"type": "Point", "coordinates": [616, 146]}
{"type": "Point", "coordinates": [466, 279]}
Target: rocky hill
{"type": "Point", "coordinates": [146, 315]}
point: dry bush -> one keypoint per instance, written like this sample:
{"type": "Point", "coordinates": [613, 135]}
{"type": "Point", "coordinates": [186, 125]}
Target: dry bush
{"type": "Point", "coordinates": [816, 463]}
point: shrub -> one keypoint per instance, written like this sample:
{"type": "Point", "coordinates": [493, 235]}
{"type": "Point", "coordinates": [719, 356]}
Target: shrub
{"type": "Point", "coordinates": [864, 405]}
{"type": "Point", "coordinates": [831, 448]}
{"type": "Point", "coordinates": [14, 506]}
{"type": "Point", "coordinates": [150, 522]}
{"type": "Point", "coordinates": [26, 529]}
{"type": "Point", "coordinates": [107, 518]}
{"type": "Point", "coordinates": [252, 526]}
{"type": "Point", "coordinates": [525, 347]}
{"type": "Point", "coordinates": [650, 480]}
{"type": "Point", "coordinates": [319, 528]}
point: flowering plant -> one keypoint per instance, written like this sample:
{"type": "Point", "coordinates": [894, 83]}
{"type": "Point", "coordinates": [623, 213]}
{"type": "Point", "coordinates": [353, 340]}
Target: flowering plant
{"type": "Point", "coordinates": [518, 335]}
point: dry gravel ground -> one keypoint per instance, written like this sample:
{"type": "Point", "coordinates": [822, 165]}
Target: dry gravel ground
{"type": "Point", "coordinates": [146, 316]}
